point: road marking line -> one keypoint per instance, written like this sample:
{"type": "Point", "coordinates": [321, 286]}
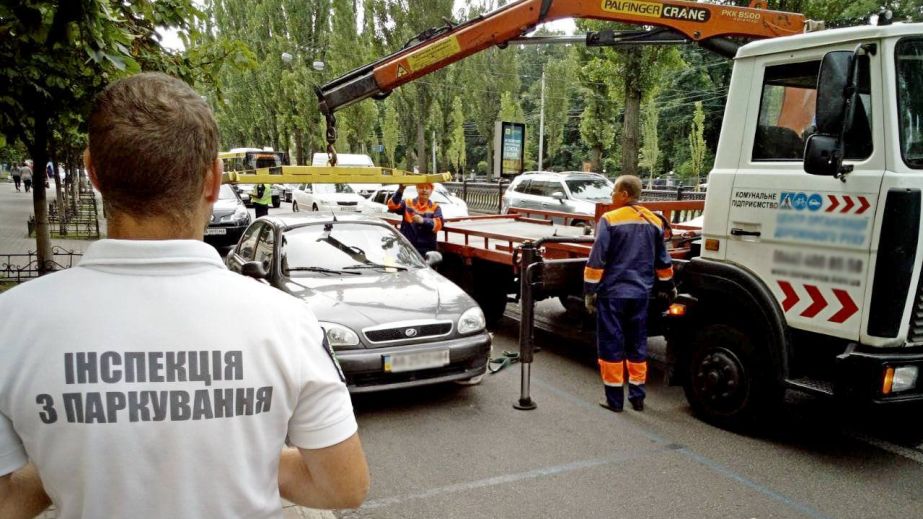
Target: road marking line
{"type": "Point", "coordinates": [907, 452]}
{"type": "Point", "coordinates": [511, 478]}
{"type": "Point", "coordinates": [713, 465]}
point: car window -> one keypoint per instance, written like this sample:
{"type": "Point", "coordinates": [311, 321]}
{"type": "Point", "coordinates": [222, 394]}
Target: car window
{"type": "Point", "coordinates": [590, 188]}
{"type": "Point", "coordinates": [332, 188]}
{"type": "Point", "coordinates": [381, 197]}
{"type": "Point", "coordinates": [226, 192]}
{"type": "Point", "coordinates": [545, 187]}
{"type": "Point", "coordinates": [248, 242]}
{"type": "Point", "coordinates": [264, 246]}
{"type": "Point", "coordinates": [341, 245]}
{"type": "Point", "coordinates": [522, 187]}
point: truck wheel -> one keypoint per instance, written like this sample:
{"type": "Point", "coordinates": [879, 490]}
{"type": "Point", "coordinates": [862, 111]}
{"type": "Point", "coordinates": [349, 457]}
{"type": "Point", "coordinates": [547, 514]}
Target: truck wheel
{"type": "Point", "coordinates": [294, 206]}
{"type": "Point", "coordinates": [492, 301]}
{"type": "Point", "coordinates": [727, 382]}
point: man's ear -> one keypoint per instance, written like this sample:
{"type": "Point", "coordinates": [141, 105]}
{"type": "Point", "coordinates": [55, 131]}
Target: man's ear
{"type": "Point", "coordinates": [91, 171]}
{"type": "Point", "coordinates": [213, 181]}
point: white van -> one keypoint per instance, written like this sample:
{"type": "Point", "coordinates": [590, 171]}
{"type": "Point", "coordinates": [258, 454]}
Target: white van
{"type": "Point", "coordinates": [352, 160]}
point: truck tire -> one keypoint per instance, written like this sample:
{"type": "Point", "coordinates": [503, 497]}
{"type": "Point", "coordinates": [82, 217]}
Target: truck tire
{"type": "Point", "coordinates": [727, 382]}
{"type": "Point", "coordinates": [492, 300]}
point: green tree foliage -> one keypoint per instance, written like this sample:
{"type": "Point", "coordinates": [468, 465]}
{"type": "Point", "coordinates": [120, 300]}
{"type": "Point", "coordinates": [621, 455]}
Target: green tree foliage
{"type": "Point", "coordinates": [58, 55]}
{"type": "Point", "coordinates": [390, 131]}
{"type": "Point", "coordinates": [650, 149]}
{"type": "Point", "coordinates": [697, 148]}
{"type": "Point", "coordinates": [457, 152]}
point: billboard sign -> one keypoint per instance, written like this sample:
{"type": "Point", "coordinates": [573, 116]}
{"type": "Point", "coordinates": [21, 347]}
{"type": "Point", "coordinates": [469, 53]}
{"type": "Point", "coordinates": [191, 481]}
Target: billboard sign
{"type": "Point", "coordinates": [509, 148]}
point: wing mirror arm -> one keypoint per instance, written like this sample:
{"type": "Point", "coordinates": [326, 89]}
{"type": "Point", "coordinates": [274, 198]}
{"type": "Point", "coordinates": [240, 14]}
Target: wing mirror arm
{"type": "Point", "coordinates": [255, 270]}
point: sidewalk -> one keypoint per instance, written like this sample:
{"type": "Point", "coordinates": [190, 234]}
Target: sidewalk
{"type": "Point", "coordinates": [15, 209]}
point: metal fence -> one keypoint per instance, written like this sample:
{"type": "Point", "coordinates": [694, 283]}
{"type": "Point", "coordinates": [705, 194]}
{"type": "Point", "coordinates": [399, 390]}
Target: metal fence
{"type": "Point", "coordinates": [485, 197]}
{"type": "Point", "coordinates": [78, 219]}
{"type": "Point", "coordinates": [17, 268]}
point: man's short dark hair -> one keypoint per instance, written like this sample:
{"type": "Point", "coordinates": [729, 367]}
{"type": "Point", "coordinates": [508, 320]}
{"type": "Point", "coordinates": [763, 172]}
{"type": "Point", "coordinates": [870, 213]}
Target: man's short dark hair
{"type": "Point", "coordinates": [151, 138]}
{"type": "Point", "coordinates": [629, 184]}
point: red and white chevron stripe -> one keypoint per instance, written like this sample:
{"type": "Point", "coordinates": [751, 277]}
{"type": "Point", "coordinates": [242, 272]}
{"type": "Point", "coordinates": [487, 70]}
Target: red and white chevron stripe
{"type": "Point", "coordinates": [847, 204]}
{"type": "Point", "coordinates": [818, 302]}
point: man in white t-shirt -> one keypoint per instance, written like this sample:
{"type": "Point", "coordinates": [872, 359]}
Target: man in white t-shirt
{"type": "Point", "coordinates": [161, 384]}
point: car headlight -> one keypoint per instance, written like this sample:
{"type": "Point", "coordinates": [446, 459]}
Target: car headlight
{"type": "Point", "coordinates": [339, 336]}
{"type": "Point", "coordinates": [240, 215]}
{"type": "Point", "coordinates": [471, 321]}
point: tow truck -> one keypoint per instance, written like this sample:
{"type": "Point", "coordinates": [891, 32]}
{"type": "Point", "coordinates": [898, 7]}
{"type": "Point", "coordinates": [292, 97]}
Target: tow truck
{"type": "Point", "coordinates": [807, 274]}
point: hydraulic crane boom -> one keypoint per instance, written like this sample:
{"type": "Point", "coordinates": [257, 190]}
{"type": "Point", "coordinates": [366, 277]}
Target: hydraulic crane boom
{"type": "Point", "coordinates": [436, 48]}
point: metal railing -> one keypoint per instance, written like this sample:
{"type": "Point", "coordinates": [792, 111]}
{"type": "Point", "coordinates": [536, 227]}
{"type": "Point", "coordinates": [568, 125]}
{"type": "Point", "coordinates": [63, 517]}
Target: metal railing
{"type": "Point", "coordinates": [17, 268]}
{"type": "Point", "coordinates": [78, 219]}
{"type": "Point", "coordinates": [486, 197]}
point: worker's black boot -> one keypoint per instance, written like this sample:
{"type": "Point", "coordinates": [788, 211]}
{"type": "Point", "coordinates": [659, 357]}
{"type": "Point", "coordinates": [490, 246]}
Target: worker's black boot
{"type": "Point", "coordinates": [637, 404]}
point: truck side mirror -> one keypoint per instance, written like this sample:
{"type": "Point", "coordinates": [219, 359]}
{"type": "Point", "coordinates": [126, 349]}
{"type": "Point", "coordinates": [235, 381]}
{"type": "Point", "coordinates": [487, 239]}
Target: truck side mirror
{"type": "Point", "coordinates": [836, 94]}
{"type": "Point", "coordinates": [822, 155]}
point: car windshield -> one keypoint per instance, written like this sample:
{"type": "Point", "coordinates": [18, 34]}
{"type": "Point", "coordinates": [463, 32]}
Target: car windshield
{"type": "Point", "coordinates": [325, 189]}
{"type": "Point", "coordinates": [347, 247]}
{"type": "Point", "coordinates": [909, 56]}
{"type": "Point", "coordinates": [435, 196]}
{"type": "Point", "coordinates": [226, 193]}
{"type": "Point", "coordinates": [590, 188]}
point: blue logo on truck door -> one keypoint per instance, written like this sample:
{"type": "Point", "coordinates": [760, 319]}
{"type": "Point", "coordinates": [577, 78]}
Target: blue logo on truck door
{"type": "Point", "coordinates": [801, 201]}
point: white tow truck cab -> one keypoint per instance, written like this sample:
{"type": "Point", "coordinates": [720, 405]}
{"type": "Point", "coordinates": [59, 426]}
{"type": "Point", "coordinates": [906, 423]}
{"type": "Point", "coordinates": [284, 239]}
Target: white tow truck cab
{"type": "Point", "coordinates": [809, 273]}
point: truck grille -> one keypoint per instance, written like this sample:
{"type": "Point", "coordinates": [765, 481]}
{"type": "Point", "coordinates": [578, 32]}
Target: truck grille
{"type": "Point", "coordinates": [915, 334]}
{"type": "Point", "coordinates": [409, 332]}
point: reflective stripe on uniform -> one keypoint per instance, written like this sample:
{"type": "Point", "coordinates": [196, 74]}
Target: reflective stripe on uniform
{"type": "Point", "coordinates": [613, 373]}
{"type": "Point", "coordinates": [592, 275]}
{"type": "Point", "coordinates": [637, 372]}
{"type": "Point", "coordinates": [665, 274]}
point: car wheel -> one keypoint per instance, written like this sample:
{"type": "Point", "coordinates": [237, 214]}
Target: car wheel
{"type": "Point", "coordinates": [314, 207]}
{"type": "Point", "coordinates": [294, 207]}
{"type": "Point", "coordinates": [276, 202]}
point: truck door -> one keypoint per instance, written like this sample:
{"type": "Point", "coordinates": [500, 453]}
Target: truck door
{"type": "Point", "coordinates": [807, 237]}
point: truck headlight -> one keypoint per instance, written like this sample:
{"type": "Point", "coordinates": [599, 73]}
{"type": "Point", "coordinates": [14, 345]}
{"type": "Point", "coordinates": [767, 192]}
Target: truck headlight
{"type": "Point", "coordinates": [899, 379]}
{"type": "Point", "coordinates": [471, 321]}
{"type": "Point", "coordinates": [339, 336]}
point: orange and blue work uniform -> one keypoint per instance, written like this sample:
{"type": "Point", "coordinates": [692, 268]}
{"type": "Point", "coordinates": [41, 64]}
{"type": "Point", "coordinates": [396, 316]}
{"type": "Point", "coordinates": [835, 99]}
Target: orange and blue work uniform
{"type": "Point", "coordinates": [421, 235]}
{"type": "Point", "coordinates": [628, 253]}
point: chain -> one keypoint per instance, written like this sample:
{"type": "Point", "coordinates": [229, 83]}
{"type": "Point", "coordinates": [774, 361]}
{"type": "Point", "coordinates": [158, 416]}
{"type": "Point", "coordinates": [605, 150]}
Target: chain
{"type": "Point", "coordinates": [331, 138]}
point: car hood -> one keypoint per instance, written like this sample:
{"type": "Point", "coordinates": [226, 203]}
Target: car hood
{"type": "Point", "coordinates": [375, 298]}
{"type": "Point", "coordinates": [339, 197]}
{"type": "Point", "coordinates": [224, 206]}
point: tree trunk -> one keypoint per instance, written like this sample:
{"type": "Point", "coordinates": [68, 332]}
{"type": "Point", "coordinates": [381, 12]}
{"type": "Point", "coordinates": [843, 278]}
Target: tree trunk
{"type": "Point", "coordinates": [596, 153]}
{"type": "Point", "coordinates": [299, 147]}
{"type": "Point", "coordinates": [39, 153]}
{"type": "Point", "coordinates": [421, 146]}
{"type": "Point", "coordinates": [632, 124]}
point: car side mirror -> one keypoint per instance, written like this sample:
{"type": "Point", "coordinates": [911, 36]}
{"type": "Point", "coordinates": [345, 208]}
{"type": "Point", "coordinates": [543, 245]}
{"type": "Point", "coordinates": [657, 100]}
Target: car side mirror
{"type": "Point", "coordinates": [433, 258]}
{"type": "Point", "coordinates": [559, 196]}
{"type": "Point", "coordinates": [255, 270]}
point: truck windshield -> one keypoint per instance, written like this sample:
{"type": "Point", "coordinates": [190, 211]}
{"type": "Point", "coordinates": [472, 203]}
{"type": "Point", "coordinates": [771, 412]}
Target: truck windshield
{"type": "Point", "coordinates": [909, 59]}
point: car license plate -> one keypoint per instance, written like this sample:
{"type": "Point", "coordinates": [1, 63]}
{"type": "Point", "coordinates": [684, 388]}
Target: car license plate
{"type": "Point", "coordinates": [398, 362]}
{"type": "Point", "coordinates": [213, 231]}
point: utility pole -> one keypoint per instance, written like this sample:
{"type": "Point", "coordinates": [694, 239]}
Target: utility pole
{"type": "Point", "coordinates": [434, 151]}
{"type": "Point", "coordinates": [541, 125]}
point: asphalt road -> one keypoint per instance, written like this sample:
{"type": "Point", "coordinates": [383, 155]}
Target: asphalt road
{"type": "Point", "coordinates": [465, 452]}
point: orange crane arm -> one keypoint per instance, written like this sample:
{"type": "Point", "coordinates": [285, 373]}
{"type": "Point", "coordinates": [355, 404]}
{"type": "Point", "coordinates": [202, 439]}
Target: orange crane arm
{"type": "Point", "coordinates": [440, 47]}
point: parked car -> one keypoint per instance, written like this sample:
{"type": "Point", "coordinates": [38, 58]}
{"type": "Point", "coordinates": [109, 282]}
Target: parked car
{"type": "Point", "coordinates": [451, 205]}
{"type": "Point", "coordinates": [350, 160]}
{"type": "Point", "coordinates": [229, 219]}
{"type": "Point", "coordinates": [328, 197]}
{"type": "Point", "coordinates": [391, 319]}
{"type": "Point", "coordinates": [567, 192]}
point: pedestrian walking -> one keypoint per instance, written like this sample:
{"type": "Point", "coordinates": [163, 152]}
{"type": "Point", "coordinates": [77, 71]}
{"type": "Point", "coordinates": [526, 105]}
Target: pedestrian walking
{"type": "Point", "coordinates": [627, 256]}
{"type": "Point", "coordinates": [261, 198]}
{"type": "Point", "coordinates": [421, 217]}
{"type": "Point", "coordinates": [135, 392]}
{"type": "Point", "coordinates": [25, 173]}
{"type": "Point", "coordinates": [17, 176]}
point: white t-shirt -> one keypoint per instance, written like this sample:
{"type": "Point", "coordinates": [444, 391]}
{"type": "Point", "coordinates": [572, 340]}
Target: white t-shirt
{"type": "Point", "coordinates": [149, 381]}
